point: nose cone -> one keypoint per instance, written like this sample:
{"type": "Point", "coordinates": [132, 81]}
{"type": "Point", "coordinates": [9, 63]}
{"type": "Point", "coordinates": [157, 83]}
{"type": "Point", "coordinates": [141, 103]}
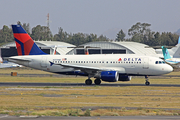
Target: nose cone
{"type": "Point", "coordinates": [168, 69]}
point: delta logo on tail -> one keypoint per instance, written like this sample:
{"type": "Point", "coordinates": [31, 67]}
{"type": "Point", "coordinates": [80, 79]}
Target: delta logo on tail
{"type": "Point", "coordinates": [24, 43]}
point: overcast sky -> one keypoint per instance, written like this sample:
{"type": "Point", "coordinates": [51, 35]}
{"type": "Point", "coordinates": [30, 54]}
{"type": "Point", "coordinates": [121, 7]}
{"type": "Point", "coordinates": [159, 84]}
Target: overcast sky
{"type": "Point", "coordinates": [93, 16]}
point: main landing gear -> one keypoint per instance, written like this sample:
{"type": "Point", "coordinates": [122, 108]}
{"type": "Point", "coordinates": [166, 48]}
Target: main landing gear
{"type": "Point", "coordinates": [88, 82]}
{"type": "Point", "coordinates": [147, 80]}
{"type": "Point", "coordinates": [96, 81]}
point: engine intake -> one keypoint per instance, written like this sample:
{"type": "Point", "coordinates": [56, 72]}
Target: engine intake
{"type": "Point", "coordinates": [109, 76]}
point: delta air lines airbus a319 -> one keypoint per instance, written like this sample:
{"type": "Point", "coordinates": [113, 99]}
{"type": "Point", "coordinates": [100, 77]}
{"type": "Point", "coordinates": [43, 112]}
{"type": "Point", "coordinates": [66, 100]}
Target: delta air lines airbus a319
{"type": "Point", "coordinates": [109, 68]}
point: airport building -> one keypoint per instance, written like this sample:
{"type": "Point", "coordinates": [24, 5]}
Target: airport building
{"type": "Point", "coordinates": [100, 47]}
{"type": "Point", "coordinates": [48, 47]}
{"type": "Point", "coordinates": [103, 47]}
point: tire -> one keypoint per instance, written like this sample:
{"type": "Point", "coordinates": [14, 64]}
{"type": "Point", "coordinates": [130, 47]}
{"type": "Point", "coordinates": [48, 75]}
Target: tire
{"type": "Point", "coordinates": [147, 83]}
{"type": "Point", "coordinates": [88, 82]}
{"type": "Point", "coordinates": [97, 81]}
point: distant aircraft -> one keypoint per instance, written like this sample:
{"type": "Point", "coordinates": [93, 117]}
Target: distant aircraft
{"type": "Point", "coordinates": [174, 51]}
{"type": "Point", "coordinates": [109, 68]}
{"type": "Point", "coordinates": [8, 64]}
{"type": "Point", "coordinates": [175, 62]}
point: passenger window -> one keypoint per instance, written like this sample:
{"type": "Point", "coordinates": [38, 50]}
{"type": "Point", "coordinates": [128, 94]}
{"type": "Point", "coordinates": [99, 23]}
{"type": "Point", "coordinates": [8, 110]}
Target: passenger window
{"type": "Point", "coordinates": [163, 62]}
{"type": "Point", "coordinates": [160, 62]}
{"type": "Point", "coordinates": [156, 62]}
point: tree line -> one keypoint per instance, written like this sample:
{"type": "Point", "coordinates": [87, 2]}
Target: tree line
{"type": "Point", "coordinates": [140, 32]}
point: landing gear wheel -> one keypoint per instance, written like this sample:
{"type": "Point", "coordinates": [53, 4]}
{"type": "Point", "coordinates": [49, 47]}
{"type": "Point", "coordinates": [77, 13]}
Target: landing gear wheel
{"type": "Point", "coordinates": [88, 82]}
{"type": "Point", "coordinates": [97, 81]}
{"type": "Point", "coordinates": [147, 83]}
{"type": "Point", "coordinates": [147, 80]}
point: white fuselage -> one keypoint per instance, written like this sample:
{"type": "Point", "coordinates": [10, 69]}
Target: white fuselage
{"type": "Point", "coordinates": [129, 64]}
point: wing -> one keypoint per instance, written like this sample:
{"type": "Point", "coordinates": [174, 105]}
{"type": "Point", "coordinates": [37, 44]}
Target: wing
{"type": "Point", "coordinates": [89, 69]}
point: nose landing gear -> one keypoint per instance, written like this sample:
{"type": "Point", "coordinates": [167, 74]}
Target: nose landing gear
{"type": "Point", "coordinates": [147, 80]}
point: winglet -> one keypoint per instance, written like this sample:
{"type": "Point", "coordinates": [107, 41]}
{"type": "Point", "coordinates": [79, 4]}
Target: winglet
{"type": "Point", "coordinates": [24, 43]}
{"type": "Point", "coordinates": [165, 53]}
{"type": "Point", "coordinates": [51, 63]}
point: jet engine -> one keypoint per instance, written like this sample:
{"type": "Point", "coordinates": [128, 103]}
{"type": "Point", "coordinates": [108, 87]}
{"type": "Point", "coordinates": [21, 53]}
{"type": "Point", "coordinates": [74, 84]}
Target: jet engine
{"type": "Point", "coordinates": [110, 76]}
{"type": "Point", "coordinates": [124, 78]}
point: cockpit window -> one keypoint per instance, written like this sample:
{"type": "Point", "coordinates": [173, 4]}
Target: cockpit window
{"type": "Point", "coordinates": [160, 62]}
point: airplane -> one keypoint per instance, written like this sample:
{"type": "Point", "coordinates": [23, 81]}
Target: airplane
{"type": "Point", "coordinates": [103, 67]}
{"type": "Point", "coordinates": [173, 61]}
{"type": "Point", "coordinates": [174, 51]}
{"type": "Point", "coordinates": [6, 64]}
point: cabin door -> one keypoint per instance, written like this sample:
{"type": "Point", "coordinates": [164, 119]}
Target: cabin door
{"type": "Point", "coordinates": [43, 62]}
{"type": "Point", "coordinates": [146, 63]}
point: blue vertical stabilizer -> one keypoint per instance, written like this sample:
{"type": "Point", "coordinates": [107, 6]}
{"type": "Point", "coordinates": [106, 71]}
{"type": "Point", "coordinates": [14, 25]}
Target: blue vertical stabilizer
{"type": "Point", "coordinates": [165, 53]}
{"type": "Point", "coordinates": [179, 40]}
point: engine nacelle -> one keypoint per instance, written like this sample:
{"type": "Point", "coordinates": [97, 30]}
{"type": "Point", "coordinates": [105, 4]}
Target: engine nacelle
{"type": "Point", "coordinates": [124, 78]}
{"type": "Point", "coordinates": [109, 76]}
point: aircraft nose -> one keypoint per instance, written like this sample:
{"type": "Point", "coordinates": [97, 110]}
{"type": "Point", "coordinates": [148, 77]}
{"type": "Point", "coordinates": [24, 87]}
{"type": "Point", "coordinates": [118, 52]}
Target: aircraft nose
{"type": "Point", "coordinates": [168, 69]}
